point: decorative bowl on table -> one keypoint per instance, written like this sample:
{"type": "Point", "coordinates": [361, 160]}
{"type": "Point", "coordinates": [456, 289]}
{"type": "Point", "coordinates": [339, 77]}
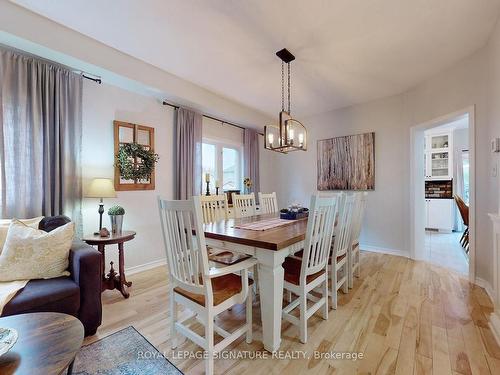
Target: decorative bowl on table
{"type": "Point", "coordinates": [294, 213]}
{"type": "Point", "coordinates": [8, 337]}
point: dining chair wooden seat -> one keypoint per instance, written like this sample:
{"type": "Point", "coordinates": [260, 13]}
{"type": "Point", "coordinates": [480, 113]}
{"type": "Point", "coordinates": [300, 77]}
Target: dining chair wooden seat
{"type": "Point", "coordinates": [244, 205]}
{"type": "Point", "coordinates": [300, 253]}
{"type": "Point", "coordinates": [223, 288]}
{"type": "Point", "coordinates": [268, 203]}
{"type": "Point", "coordinates": [292, 267]}
{"type": "Point", "coordinates": [225, 257]}
{"type": "Point", "coordinates": [204, 291]}
{"type": "Point", "coordinates": [303, 275]}
{"type": "Point", "coordinates": [354, 253]}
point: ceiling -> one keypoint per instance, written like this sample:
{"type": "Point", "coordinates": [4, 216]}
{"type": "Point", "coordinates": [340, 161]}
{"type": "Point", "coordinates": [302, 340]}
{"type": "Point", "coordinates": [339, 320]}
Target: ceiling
{"type": "Point", "coordinates": [348, 51]}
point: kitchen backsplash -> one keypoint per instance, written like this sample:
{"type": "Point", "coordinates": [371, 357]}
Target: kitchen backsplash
{"type": "Point", "coordinates": [439, 189]}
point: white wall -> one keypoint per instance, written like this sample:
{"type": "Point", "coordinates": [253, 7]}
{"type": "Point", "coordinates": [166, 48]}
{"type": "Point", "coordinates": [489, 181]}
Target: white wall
{"type": "Point", "coordinates": [101, 105]}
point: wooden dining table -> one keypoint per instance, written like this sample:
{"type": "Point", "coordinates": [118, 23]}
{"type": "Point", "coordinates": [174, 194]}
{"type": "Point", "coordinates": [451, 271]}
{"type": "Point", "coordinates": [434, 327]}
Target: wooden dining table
{"type": "Point", "coordinates": [270, 247]}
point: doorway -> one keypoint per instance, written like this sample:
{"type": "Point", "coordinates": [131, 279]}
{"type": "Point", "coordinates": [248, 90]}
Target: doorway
{"type": "Point", "coordinates": [442, 175]}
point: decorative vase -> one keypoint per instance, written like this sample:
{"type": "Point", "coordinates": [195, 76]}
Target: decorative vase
{"type": "Point", "coordinates": [116, 223]}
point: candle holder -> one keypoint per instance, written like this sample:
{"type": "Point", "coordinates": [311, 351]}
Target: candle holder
{"type": "Point", "coordinates": [208, 189]}
{"type": "Point", "coordinates": [216, 190]}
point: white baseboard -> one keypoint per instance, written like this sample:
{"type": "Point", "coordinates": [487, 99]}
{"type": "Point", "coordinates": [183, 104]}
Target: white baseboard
{"type": "Point", "coordinates": [145, 266]}
{"type": "Point", "coordinates": [486, 286]}
{"type": "Point", "coordinates": [384, 250]}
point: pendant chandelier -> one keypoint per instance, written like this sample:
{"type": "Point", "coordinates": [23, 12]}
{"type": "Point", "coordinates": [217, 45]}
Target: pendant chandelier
{"type": "Point", "coordinates": [289, 134]}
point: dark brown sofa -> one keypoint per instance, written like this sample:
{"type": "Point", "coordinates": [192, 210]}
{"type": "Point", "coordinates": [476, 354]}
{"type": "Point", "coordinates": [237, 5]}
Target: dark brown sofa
{"type": "Point", "coordinates": [78, 294]}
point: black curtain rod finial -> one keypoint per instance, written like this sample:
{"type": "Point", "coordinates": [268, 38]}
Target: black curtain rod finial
{"type": "Point", "coordinates": [98, 80]}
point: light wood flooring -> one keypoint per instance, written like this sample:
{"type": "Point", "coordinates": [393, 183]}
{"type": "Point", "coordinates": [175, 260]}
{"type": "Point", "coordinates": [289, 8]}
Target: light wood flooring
{"type": "Point", "coordinates": [405, 316]}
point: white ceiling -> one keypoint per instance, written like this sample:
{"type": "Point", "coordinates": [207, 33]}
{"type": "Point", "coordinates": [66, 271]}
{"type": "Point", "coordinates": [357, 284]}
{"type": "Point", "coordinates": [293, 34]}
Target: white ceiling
{"type": "Point", "coordinates": [348, 51]}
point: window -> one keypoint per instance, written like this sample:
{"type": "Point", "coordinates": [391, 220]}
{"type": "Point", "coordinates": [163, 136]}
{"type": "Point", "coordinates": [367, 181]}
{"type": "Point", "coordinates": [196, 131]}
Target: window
{"type": "Point", "coordinates": [224, 164]}
{"type": "Point", "coordinates": [230, 168]}
{"type": "Point", "coordinates": [209, 161]}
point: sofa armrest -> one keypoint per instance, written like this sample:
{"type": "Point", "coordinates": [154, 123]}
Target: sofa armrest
{"type": "Point", "coordinates": [85, 269]}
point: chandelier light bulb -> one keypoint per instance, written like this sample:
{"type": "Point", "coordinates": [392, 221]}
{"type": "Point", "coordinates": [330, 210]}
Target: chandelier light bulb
{"type": "Point", "coordinates": [271, 139]}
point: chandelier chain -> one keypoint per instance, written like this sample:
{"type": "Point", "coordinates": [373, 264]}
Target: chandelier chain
{"type": "Point", "coordinates": [282, 86]}
{"type": "Point", "coordinates": [289, 99]}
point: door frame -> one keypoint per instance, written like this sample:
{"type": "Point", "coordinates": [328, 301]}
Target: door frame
{"type": "Point", "coordinates": [417, 182]}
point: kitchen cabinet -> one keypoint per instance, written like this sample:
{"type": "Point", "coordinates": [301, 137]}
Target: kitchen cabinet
{"type": "Point", "coordinates": [439, 214]}
{"type": "Point", "coordinates": [438, 156]}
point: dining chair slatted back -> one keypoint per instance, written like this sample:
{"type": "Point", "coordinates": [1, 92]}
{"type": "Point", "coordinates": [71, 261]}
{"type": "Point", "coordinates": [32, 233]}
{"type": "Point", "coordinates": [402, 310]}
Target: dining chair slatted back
{"type": "Point", "coordinates": [214, 208]}
{"type": "Point", "coordinates": [358, 216]}
{"type": "Point", "coordinates": [463, 209]}
{"type": "Point", "coordinates": [318, 241]}
{"type": "Point", "coordinates": [187, 264]}
{"type": "Point", "coordinates": [244, 205]}
{"type": "Point", "coordinates": [193, 282]}
{"type": "Point", "coordinates": [343, 229]}
{"type": "Point", "coordinates": [268, 203]}
{"type": "Point", "coordinates": [353, 253]}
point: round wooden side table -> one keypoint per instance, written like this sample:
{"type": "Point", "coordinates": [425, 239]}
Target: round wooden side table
{"type": "Point", "coordinates": [47, 343]}
{"type": "Point", "coordinates": [113, 280]}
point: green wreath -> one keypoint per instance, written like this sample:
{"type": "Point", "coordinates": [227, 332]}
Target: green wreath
{"type": "Point", "coordinates": [126, 161]}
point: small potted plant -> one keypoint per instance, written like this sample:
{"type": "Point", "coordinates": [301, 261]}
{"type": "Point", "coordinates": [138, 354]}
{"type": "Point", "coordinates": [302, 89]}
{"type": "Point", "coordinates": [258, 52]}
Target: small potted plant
{"type": "Point", "coordinates": [116, 216]}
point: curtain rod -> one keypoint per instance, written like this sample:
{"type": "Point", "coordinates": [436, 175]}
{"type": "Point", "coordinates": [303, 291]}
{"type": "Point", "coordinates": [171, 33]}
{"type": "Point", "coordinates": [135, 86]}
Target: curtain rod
{"type": "Point", "coordinates": [84, 74]}
{"type": "Point", "coordinates": [210, 117]}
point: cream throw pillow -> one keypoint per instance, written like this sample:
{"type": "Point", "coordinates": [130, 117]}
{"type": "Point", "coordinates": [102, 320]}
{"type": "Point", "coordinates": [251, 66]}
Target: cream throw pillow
{"type": "Point", "coordinates": [5, 224]}
{"type": "Point", "coordinates": [34, 254]}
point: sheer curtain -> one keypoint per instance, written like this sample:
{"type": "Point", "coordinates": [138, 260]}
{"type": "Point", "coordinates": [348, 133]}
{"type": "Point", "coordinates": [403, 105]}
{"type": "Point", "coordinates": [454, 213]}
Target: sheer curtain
{"type": "Point", "coordinates": [251, 158]}
{"type": "Point", "coordinates": [40, 138]}
{"type": "Point", "coordinates": [188, 154]}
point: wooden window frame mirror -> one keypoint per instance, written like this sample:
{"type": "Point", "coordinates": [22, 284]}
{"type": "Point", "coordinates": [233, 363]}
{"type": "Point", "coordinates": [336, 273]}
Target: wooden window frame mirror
{"type": "Point", "coordinates": [120, 185]}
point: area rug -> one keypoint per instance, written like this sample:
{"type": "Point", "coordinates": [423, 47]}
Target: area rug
{"type": "Point", "coordinates": [125, 352]}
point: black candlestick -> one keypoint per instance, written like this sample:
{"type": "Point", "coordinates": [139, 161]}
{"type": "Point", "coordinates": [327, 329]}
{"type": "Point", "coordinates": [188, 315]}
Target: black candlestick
{"type": "Point", "coordinates": [216, 190]}
{"type": "Point", "coordinates": [208, 189]}
{"type": "Point", "coordinates": [101, 211]}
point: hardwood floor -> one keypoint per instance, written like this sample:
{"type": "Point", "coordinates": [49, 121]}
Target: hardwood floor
{"type": "Point", "coordinates": [406, 317]}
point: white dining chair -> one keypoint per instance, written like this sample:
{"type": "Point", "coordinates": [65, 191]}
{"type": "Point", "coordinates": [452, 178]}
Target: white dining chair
{"type": "Point", "coordinates": [207, 292]}
{"type": "Point", "coordinates": [243, 205]}
{"type": "Point", "coordinates": [339, 272]}
{"type": "Point", "coordinates": [268, 203]}
{"type": "Point", "coordinates": [359, 214]}
{"type": "Point", "coordinates": [214, 208]}
{"type": "Point", "coordinates": [302, 275]}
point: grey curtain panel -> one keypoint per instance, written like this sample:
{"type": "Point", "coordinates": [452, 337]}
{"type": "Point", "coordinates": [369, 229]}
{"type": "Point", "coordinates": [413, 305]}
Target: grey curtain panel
{"type": "Point", "coordinates": [251, 158]}
{"type": "Point", "coordinates": [40, 138]}
{"type": "Point", "coordinates": [188, 169]}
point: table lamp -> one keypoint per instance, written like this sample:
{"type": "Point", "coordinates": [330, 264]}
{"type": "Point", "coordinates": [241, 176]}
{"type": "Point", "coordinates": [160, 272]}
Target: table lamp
{"type": "Point", "coordinates": [101, 188]}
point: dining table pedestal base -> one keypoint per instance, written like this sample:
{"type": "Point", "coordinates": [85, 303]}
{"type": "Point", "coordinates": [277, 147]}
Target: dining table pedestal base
{"type": "Point", "coordinates": [271, 276]}
{"type": "Point", "coordinates": [271, 280]}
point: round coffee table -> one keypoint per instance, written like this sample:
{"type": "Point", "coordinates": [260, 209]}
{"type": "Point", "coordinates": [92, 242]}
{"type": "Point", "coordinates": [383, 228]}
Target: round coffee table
{"type": "Point", "coordinates": [47, 343]}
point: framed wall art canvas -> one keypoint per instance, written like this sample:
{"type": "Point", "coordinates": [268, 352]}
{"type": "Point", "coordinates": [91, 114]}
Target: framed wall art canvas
{"type": "Point", "coordinates": [347, 163]}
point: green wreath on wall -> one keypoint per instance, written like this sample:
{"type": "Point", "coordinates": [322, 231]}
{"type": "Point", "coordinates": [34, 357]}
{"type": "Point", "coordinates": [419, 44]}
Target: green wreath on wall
{"type": "Point", "coordinates": [129, 169]}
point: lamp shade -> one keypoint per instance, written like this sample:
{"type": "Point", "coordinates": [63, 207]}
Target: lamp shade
{"type": "Point", "coordinates": [101, 188]}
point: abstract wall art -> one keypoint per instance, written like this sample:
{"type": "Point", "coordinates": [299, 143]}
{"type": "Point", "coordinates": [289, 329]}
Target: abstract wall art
{"type": "Point", "coordinates": [347, 163]}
